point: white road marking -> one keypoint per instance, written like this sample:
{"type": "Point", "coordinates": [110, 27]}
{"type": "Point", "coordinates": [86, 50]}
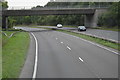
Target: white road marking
{"type": "Point", "coordinates": [102, 47]}
{"type": "Point", "coordinates": [68, 47]}
{"type": "Point", "coordinates": [36, 58]}
{"type": "Point", "coordinates": [61, 42]}
{"type": "Point", "coordinates": [5, 34]}
{"type": "Point", "coordinates": [81, 59]}
{"type": "Point", "coordinates": [11, 35]}
{"type": "Point", "coordinates": [96, 74]}
{"type": "Point", "coordinates": [94, 44]}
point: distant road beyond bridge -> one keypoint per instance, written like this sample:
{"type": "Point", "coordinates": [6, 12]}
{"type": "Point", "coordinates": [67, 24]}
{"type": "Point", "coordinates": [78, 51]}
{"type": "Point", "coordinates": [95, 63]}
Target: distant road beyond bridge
{"type": "Point", "coordinates": [91, 15]}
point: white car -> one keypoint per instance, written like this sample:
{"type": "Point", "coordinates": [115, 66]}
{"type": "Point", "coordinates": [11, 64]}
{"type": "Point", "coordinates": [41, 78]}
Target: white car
{"type": "Point", "coordinates": [81, 28]}
{"type": "Point", "coordinates": [59, 25]}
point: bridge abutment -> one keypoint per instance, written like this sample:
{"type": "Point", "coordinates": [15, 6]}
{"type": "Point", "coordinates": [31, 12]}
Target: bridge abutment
{"type": "Point", "coordinates": [91, 20]}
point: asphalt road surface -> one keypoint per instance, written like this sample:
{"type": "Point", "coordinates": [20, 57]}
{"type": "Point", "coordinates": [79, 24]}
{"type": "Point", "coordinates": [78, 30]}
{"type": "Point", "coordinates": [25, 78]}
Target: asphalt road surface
{"type": "Point", "coordinates": [64, 56]}
{"type": "Point", "coordinates": [66, 28]}
{"type": "Point", "coordinates": [113, 35]}
{"type": "Point", "coordinates": [103, 33]}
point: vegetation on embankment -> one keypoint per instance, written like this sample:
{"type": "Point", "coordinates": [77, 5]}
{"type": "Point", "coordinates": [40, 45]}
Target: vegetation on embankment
{"type": "Point", "coordinates": [110, 19]}
{"type": "Point", "coordinates": [14, 51]}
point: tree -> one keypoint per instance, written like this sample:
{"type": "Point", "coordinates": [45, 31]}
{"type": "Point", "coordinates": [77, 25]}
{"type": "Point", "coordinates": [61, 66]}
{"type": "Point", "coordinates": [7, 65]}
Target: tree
{"type": "Point", "coordinates": [4, 4]}
{"type": "Point", "coordinates": [110, 18]}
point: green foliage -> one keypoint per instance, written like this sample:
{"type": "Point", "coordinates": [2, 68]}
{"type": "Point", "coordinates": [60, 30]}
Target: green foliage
{"type": "Point", "coordinates": [14, 54]}
{"type": "Point", "coordinates": [110, 18]}
{"type": "Point", "coordinates": [49, 20]}
{"type": "Point", "coordinates": [11, 22]}
{"type": "Point", "coordinates": [4, 4]}
{"type": "Point", "coordinates": [27, 19]}
{"type": "Point", "coordinates": [77, 4]}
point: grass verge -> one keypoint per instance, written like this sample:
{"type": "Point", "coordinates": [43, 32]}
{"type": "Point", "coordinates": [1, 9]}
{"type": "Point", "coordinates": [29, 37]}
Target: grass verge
{"type": "Point", "coordinates": [11, 29]}
{"type": "Point", "coordinates": [14, 54]}
{"type": "Point", "coordinates": [6, 38]}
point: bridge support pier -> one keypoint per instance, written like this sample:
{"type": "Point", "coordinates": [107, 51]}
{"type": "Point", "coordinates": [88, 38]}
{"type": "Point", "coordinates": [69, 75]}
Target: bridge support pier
{"type": "Point", "coordinates": [91, 20]}
{"type": "Point", "coordinates": [4, 22]}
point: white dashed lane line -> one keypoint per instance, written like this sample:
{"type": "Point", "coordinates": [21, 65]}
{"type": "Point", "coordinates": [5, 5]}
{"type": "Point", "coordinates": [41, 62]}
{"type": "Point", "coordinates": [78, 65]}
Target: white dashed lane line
{"type": "Point", "coordinates": [68, 48]}
{"type": "Point", "coordinates": [81, 59]}
{"type": "Point", "coordinates": [61, 42]}
{"type": "Point", "coordinates": [105, 48]}
{"type": "Point", "coordinates": [56, 38]}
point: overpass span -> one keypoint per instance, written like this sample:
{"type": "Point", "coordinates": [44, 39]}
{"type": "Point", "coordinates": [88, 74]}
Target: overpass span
{"type": "Point", "coordinates": [47, 12]}
{"type": "Point", "coordinates": [91, 14]}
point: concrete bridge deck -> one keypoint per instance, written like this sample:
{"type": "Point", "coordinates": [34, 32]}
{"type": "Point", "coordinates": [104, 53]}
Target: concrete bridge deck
{"type": "Point", "coordinates": [32, 12]}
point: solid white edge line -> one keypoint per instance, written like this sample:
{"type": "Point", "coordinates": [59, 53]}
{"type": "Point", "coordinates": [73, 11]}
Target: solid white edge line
{"type": "Point", "coordinates": [68, 47]}
{"type": "Point", "coordinates": [11, 35]}
{"type": "Point", "coordinates": [94, 44]}
{"type": "Point", "coordinates": [102, 47]}
{"type": "Point", "coordinates": [36, 58]}
{"type": "Point", "coordinates": [5, 34]}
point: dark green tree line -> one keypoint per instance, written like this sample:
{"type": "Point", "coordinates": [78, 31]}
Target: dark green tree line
{"type": "Point", "coordinates": [4, 4]}
{"type": "Point", "coordinates": [110, 18]}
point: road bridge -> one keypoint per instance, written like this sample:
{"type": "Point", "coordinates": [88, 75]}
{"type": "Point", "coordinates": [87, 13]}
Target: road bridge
{"type": "Point", "coordinates": [91, 14]}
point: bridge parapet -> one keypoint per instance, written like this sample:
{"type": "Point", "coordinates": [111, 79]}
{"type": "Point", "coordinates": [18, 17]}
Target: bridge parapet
{"type": "Point", "coordinates": [56, 7]}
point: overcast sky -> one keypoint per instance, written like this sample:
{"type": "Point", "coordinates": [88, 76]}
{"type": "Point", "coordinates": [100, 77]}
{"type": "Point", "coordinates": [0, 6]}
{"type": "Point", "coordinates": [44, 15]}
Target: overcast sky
{"type": "Point", "coordinates": [26, 3]}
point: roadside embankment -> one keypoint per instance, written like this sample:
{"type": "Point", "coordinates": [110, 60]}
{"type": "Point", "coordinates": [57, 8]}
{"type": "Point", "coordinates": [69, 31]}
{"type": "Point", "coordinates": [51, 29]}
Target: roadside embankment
{"type": "Point", "coordinates": [14, 51]}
